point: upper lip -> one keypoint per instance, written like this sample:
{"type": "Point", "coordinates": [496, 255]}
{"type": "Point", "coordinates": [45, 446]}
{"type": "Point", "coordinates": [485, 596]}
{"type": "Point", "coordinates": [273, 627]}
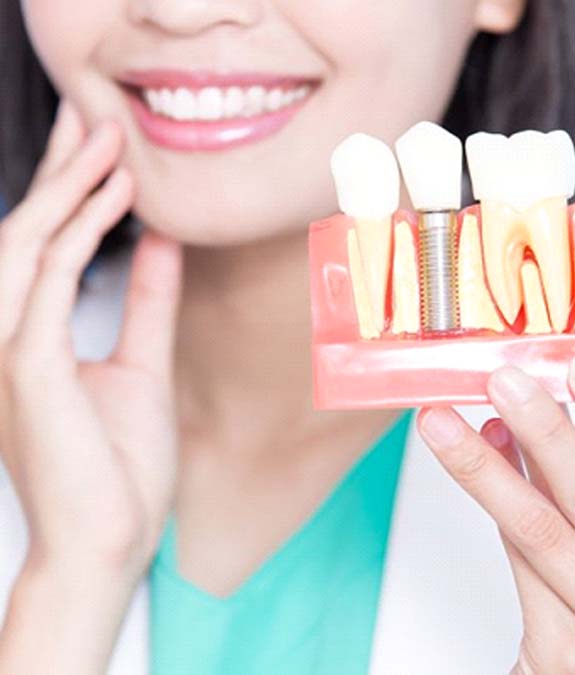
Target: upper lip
{"type": "Point", "coordinates": [196, 79]}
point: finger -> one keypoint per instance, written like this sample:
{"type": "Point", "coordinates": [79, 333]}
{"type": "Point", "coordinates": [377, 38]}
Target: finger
{"type": "Point", "coordinates": [66, 137]}
{"type": "Point", "coordinates": [45, 324]}
{"type": "Point", "coordinates": [531, 522]}
{"type": "Point", "coordinates": [549, 624]}
{"type": "Point", "coordinates": [543, 430]}
{"type": "Point", "coordinates": [26, 231]}
{"type": "Point", "coordinates": [147, 336]}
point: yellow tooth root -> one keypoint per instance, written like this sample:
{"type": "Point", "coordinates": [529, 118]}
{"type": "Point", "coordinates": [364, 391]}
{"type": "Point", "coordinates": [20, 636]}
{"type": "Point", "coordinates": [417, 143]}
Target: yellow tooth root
{"type": "Point", "coordinates": [374, 239]}
{"type": "Point", "coordinates": [476, 307]}
{"type": "Point", "coordinates": [405, 282]}
{"type": "Point", "coordinates": [535, 308]}
{"type": "Point", "coordinates": [363, 305]}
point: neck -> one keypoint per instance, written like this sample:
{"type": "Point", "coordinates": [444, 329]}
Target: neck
{"type": "Point", "coordinates": [243, 347]}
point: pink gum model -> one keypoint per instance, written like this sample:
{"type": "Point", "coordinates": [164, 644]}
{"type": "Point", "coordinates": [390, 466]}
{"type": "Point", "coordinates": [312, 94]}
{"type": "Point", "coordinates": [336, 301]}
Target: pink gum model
{"type": "Point", "coordinates": [409, 371]}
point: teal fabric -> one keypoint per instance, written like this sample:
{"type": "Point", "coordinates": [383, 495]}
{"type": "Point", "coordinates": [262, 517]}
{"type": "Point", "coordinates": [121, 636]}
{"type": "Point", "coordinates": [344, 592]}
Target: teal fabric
{"type": "Point", "coordinates": [310, 608]}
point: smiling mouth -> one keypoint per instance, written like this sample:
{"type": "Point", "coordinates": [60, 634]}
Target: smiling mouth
{"type": "Point", "coordinates": [201, 110]}
{"type": "Point", "coordinates": [213, 104]}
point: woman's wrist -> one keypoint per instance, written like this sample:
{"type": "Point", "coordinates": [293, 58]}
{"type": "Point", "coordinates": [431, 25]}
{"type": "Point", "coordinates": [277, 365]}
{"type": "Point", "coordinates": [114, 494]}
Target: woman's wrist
{"type": "Point", "coordinates": [63, 617]}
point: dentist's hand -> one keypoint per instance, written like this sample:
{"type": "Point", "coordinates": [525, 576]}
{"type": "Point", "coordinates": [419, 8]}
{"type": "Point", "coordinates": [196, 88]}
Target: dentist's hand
{"type": "Point", "coordinates": [91, 447]}
{"type": "Point", "coordinates": [535, 517]}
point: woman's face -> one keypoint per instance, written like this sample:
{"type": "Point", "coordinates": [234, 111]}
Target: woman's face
{"type": "Point", "coordinates": [376, 66]}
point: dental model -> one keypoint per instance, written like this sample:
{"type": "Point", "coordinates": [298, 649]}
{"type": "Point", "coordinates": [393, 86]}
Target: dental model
{"type": "Point", "coordinates": [367, 181]}
{"type": "Point", "coordinates": [431, 161]}
{"type": "Point", "coordinates": [417, 308]}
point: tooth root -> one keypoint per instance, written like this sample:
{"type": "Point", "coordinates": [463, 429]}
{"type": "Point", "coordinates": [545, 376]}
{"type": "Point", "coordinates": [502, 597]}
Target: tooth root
{"type": "Point", "coordinates": [535, 309]}
{"type": "Point", "coordinates": [405, 283]}
{"type": "Point", "coordinates": [504, 241]}
{"type": "Point", "coordinates": [363, 307]}
{"type": "Point", "coordinates": [475, 304]}
{"type": "Point", "coordinates": [374, 239]}
{"type": "Point", "coordinates": [548, 226]}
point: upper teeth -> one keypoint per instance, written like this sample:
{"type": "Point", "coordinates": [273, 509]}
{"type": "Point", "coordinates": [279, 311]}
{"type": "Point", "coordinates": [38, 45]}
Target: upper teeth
{"type": "Point", "coordinates": [523, 183]}
{"type": "Point", "coordinates": [214, 103]}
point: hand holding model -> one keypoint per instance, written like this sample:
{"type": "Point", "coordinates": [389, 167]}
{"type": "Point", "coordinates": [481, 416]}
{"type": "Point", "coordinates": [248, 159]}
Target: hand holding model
{"type": "Point", "coordinates": [90, 446]}
{"type": "Point", "coordinates": [493, 287]}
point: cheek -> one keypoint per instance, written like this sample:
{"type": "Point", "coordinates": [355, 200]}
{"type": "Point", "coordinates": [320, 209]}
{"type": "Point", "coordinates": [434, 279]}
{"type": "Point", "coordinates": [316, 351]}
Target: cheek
{"type": "Point", "coordinates": [64, 34]}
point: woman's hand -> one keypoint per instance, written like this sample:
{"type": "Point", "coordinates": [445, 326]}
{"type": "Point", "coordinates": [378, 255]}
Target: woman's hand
{"type": "Point", "coordinates": [536, 517]}
{"type": "Point", "coordinates": [91, 446]}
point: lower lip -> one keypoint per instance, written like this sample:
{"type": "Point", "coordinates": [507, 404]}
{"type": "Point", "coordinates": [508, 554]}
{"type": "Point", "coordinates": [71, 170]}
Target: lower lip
{"type": "Point", "coordinates": [210, 136]}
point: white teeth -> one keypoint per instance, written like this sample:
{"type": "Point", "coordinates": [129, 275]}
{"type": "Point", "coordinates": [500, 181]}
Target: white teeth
{"type": "Point", "coordinates": [214, 103]}
{"type": "Point", "coordinates": [523, 169]}
{"type": "Point", "coordinates": [366, 177]}
{"type": "Point", "coordinates": [184, 103]}
{"type": "Point", "coordinates": [210, 104]}
{"type": "Point", "coordinates": [234, 102]}
{"type": "Point", "coordinates": [274, 99]}
{"type": "Point", "coordinates": [431, 161]}
{"type": "Point", "coordinates": [254, 101]}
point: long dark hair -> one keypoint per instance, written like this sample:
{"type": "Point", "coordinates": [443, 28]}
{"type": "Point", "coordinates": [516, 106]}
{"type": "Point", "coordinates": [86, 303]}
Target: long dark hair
{"type": "Point", "coordinates": [509, 82]}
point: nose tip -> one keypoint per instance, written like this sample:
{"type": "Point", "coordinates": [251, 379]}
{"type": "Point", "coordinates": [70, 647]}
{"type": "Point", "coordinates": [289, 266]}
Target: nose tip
{"type": "Point", "coordinates": [189, 17]}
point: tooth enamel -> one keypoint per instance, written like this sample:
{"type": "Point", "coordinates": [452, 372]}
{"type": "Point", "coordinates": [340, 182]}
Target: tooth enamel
{"type": "Point", "coordinates": [367, 182]}
{"type": "Point", "coordinates": [274, 100]}
{"type": "Point", "coordinates": [363, 308]}
{"type": "Point", "coordinates": [210, 104]}
{"type": "Point", "coordinates": [535, 309]}
{"type": "Point", "coordinates": [233, 102]}
{"type": "Point", "coordinates": [431, 161]}
{"type": "Point", "coordinates": [475, 305]}
{"type": "Point", "coordinates": [184, 104]}
{"type": "Point", "coordinates": [523, 183]}
{"type": "Point", "coordinates": [405, 284]}
{"type": "Point", "coordinates": [213, 103]}
{"type": "Point", "coordinates": [254, 101]}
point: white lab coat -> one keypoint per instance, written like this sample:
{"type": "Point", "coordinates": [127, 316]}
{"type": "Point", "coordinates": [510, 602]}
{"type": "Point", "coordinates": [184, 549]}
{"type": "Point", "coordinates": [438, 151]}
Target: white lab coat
{"type": "Point", "coordinates": [448, 603]}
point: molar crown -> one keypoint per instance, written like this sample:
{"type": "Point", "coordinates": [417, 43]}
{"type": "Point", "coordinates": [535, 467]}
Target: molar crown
{"type": "Point", "coordinates": [522, 169]}
{"type": "Point", "coordinates": [366, 175]}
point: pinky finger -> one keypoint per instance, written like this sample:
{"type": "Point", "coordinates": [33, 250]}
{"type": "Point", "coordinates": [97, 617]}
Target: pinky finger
{"type": "Point", "coordinates": [45, 324]}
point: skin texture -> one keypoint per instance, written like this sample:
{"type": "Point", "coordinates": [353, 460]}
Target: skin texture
{"type": "Point", "coordinates": [224, 239]}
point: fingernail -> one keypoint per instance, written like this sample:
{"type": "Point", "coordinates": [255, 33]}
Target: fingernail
{"type": "Point", "coordinates": [511, 384]}
{"type": "Point", "coordinates": [497, 434]}
{"type": "Point", "coordinates": [441, 426]}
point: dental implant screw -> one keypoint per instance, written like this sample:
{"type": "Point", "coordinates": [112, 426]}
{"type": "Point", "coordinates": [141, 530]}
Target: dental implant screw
{"type": "Point", "coordinates": [438, 271]}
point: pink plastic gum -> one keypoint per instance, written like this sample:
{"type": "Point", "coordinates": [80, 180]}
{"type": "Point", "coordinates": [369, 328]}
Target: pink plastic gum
{"type": "Point", "coordinates": [394, 372]}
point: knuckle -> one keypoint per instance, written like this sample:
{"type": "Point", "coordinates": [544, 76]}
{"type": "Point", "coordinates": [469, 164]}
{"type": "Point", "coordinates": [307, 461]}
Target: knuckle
{"type": "Point", "coordinates": [540, 528]}
{"type": "Point", "coordinates": [60, 259]}
{"type": "Point", "coordinates": [469, 463]}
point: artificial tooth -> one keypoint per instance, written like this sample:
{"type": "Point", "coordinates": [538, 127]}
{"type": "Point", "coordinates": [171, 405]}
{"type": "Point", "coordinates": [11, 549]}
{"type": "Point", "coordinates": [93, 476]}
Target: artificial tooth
{"type": "Point", "coordinates": [367, 181]}
{"type": "Point", "coordinates": [476, 308]}
{"type": "Point", "coordinates": [523, 183]}
{"type": "Point", "coordinates": [405, 283]}
{"type": "Point", "coordinates": [367, 329]}
{"type": "Point", "coordinates": [535, 309]}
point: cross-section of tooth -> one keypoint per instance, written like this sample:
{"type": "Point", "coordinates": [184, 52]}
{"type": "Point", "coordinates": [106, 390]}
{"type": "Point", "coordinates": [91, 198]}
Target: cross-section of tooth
{"type": "Point", "coordinates": [537, 320]}
{"type": "Point", "coordinates": [475, 305]}
{"type": "Point", "coordinates": [367, 181]}
{"type": "Point", "coordinates": [363, 308]}
{"type": "Point", "coordinates": [523, 183]}
{"type": "Point", "coordinates": [405, 282]}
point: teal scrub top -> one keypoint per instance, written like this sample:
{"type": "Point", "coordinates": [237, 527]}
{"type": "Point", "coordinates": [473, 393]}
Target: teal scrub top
{"type": "Point", "coordinates": [309, 609]}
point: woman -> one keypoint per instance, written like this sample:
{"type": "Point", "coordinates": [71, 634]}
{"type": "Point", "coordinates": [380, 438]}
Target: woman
{"type": "Point", "coordinates": [200, 417]}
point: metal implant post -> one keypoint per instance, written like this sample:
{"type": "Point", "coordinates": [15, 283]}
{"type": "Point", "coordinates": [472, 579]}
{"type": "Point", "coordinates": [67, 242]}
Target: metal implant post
{"type": "Point", "coordinates": [438, 271]}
